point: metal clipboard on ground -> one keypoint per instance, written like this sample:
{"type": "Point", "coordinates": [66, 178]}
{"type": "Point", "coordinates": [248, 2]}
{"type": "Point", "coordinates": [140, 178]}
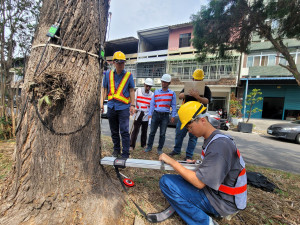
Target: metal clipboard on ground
{"type": "Point", "coordinates": [196, 85]}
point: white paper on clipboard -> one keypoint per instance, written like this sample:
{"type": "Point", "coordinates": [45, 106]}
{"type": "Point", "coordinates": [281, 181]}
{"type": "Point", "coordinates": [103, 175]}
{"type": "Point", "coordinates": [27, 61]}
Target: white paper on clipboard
{"type": "Point", "coordinates": [196, 85]}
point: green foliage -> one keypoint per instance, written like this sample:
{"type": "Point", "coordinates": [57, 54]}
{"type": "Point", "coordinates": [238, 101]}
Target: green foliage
{"type": "Point", "coordinates": [235, 106]}
{"type": "Point", "coordinates": [45, 99]}
{"type": "Point", "coordinates": [252, 98]}
{"type": "Point", "coordinates": [228, 25]}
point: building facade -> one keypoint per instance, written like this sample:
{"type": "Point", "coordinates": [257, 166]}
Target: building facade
{"type": "Point", "coordinates": [168, 49]}
{"type": "Point", "coordinates": [280, 92]}
{"type": "Point", "coordinates": [220, 75]}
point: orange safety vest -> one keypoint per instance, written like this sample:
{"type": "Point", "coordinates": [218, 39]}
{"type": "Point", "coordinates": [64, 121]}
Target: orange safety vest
{"type": "Point", "coordinates": [118, 95]}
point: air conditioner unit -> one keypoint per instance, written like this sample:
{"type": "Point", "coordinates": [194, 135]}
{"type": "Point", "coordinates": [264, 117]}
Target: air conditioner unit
{"type": "Point", "coordinates": [157, 81]}
{"type": "Point", "coordinates": [141, 80]}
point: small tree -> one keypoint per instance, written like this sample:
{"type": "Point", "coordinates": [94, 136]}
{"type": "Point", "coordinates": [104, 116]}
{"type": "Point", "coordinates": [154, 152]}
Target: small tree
{"type": "Point", "coordinates": [235, 106]}
{"type": "Point", "coordinates": [252, 98]}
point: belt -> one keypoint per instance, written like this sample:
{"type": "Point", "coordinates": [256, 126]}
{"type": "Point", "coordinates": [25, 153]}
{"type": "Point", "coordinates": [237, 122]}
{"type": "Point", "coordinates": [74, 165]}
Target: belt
{"type": "Point", "coordinates": [161, 112]}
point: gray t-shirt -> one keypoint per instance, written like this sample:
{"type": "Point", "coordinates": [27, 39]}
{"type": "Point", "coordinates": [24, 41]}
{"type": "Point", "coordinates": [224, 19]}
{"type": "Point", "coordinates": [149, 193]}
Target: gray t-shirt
{"type": "Point", "coordinates": [221, 165]}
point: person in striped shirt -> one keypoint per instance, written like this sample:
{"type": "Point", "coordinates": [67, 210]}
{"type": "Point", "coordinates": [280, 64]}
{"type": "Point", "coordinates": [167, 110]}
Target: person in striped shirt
{"type": "Point", "coordinates": [161, 102]}
{"type": "Point", "coordinates": [142, 102]}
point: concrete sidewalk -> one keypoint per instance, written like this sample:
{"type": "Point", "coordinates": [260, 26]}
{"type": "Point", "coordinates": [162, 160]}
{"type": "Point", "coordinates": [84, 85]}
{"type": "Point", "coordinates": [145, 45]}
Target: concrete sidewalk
{"type": "Point", "coordinates": [261, 125]}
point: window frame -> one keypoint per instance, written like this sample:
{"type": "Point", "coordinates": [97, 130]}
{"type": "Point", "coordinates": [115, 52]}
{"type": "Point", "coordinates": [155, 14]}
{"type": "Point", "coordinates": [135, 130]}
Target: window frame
{"type": "Point", "coordinates": [182, 42]}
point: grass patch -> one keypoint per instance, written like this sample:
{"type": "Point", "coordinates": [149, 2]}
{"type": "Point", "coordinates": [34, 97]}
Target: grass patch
{"type": "Point", "coordinates": [280, 207]}
{"type": "Point", "coordinates": [6, 151]}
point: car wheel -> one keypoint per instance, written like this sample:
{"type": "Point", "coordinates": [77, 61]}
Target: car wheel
{"type": "Point", "coordinates": [298, 139]}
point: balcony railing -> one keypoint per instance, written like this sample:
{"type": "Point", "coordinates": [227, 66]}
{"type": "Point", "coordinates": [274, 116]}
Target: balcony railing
{"type": "Point", "coordinates": [153, 56]}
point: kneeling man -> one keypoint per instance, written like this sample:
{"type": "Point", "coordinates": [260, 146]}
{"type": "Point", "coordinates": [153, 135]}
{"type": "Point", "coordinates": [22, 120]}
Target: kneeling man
{"type": "Point", "coordinates": [219, 186]}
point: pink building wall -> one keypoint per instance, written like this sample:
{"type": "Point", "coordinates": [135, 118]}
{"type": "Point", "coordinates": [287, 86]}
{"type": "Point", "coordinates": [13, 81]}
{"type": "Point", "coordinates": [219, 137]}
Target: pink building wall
{"type": "Point", "coordinates": [174, 36]}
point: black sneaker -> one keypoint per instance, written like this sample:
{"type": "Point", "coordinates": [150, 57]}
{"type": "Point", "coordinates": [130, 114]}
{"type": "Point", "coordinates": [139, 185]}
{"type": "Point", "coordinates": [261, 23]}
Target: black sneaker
{"type": "Point", "coordinates": [115, 153]}
{"type": "Point", "coordinates": [125, 156]}
{"type": "Point", "coordinates": [173, 153]}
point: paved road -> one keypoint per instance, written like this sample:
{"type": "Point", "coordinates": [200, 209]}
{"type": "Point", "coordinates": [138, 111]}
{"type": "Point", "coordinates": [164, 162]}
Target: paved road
{"type": "Point", "coordinates": [262, 150]}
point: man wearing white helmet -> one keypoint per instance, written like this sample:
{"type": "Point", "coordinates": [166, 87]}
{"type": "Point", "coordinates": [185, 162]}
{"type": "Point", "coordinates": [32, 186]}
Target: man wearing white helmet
{"type": "Point", "coordinates": [161, 102]}
{"type": "Point", "coordinates": [142, 102]}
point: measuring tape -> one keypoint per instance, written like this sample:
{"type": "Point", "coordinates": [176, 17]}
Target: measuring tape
{"type": "Point", "coordinates": [128, 182]}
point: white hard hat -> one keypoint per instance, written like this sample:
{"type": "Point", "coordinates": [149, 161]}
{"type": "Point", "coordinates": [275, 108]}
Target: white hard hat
{"type": "Point", "coordinates": [149, 82]}
{"type": "Point", "coordinates": [166, 77]}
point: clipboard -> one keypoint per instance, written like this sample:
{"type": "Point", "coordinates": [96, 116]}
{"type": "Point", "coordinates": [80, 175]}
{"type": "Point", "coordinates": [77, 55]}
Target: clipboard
{"type": "Point", "coordinates": [196, 85]}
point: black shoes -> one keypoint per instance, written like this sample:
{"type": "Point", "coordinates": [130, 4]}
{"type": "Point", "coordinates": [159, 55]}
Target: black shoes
{"type": "Point", "coordinates": [116, 153]}
{"type": "Point", "coordinates": [173, 153]}
{"type": "Point", "coordinates": [125, 156]}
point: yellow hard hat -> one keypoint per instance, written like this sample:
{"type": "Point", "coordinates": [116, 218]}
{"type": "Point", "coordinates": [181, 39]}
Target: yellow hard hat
{"type": "Point", "coordinates": [119, 56]}
{"type": "Point", "coordinates": [189, 111]}
{"type": "Point", "coordinates": [198, 74]}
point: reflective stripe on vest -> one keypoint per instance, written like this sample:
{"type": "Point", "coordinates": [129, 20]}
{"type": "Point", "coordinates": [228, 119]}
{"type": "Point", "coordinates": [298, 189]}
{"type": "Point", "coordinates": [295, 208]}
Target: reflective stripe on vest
{"type": "Point", "coordinates": [164, 100]}
{"type": "Point", "coordinates": [240, 188]}
{"type": "Point", "coordinates": [167, 106]}
{"type": "Point", "coordinates": [118, 95]}
{"type": "Point", "coordinates": [142, 107]}
{"type": "Point", "coordinates": [142, 102]}
{"type": "Point", "coordinates": [142, 97]}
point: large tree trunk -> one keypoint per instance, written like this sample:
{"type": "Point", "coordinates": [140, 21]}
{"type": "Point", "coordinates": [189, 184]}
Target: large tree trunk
{"type": "Point", "coordinates": [57, 178]}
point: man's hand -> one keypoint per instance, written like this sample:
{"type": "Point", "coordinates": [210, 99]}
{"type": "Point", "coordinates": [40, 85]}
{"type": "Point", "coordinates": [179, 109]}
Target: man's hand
{"type": "Point", "coordinates": [194, 93]}
{"type": "Point", "coordinates": [167, 159]}
{"type": "Point", "coordinates": [172, 119]}
{"type": "Point", "coordinates": [149, 117]}
{"type": "Point", "coordinates": [132, 110]}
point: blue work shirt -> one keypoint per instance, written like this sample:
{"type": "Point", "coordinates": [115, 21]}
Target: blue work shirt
{"type": "Point", "coordinates": [161, 101]}
{"type": "Point", "coordinates": [117, 105]}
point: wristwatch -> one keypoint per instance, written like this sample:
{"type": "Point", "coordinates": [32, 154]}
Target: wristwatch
{"type": "Point", "coordinates": [133, 105]}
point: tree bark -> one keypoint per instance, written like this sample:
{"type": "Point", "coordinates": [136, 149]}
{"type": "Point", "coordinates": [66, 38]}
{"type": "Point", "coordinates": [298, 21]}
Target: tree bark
{"type": "Point", "coordinates": [57, 179]}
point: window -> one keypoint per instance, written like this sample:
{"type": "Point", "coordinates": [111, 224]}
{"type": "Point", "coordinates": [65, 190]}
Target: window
{"type": "Point", "coordinates": [250, 61]}
{"type": "Point", "coordinates": [298, 59]}
{"type": "Point", "coordinates": [184, 40]}
{"type": "Point", "coordinates": [261, 60]}
{"type": "Point", "coordinates": [174, 70]}
{"type": "Point", "coordinates": [256, 61]}
{"type": "Point", "coordinates": [272, 60]}
{"type": "Point", "coordinates": [282, 60]}
{"type": "Point", "coordinates": [264, 60]}
{"type": "Point", "coordinates": [186, 72]}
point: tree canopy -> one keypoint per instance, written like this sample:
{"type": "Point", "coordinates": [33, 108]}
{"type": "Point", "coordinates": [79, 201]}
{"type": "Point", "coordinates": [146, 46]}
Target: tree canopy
{"type": "Point", "coordinates": [227, 25]}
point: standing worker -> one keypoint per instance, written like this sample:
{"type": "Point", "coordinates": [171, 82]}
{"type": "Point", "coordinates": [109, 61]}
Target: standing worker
{"type": "Point", "coordinates": [119, 87]}
{"type": "Point", "coordinates": [161, 102]}
{"type": "Point", "coordinates": [219, 185]}
{"type": "Point", "coordinates": [142, 101]}
{"type": "Point", "coordinates": [198, 75]}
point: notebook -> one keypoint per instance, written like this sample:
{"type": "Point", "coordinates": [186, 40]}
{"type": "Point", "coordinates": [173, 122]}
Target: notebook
{"type": "Point", "coordinates": [196, 85]}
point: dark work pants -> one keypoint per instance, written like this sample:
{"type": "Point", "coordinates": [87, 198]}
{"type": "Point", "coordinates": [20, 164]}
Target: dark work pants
{"type": "Point", "coordinates": [136, 128]}
{"type": "Point", "coordinates": [161, 120]}
{"type": "Point", "coordinates": [119, 121]}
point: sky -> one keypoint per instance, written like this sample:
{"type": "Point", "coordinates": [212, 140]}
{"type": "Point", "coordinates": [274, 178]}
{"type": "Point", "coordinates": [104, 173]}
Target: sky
{"type": "Point", "coordinates": [130, 16]}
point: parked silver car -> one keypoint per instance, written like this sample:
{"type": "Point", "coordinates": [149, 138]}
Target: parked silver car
{"type": "Point", "coordinates": [290, 131]}
{"type": "Point", "coordinates": [104, 113]}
